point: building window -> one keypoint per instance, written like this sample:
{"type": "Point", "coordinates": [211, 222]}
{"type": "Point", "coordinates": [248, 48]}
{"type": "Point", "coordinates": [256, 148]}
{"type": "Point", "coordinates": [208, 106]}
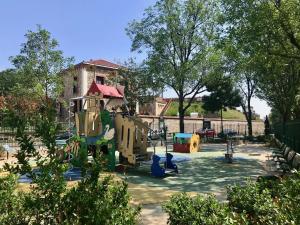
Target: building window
{"type": "Point", "coordinates": [75, 85]}
{"type": "Point", "coordinates": [99, 80]}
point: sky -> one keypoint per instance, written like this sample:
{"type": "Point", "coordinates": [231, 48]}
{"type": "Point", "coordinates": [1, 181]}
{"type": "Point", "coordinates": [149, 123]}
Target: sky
{"type": "Point", "coordinates": [85, 29]}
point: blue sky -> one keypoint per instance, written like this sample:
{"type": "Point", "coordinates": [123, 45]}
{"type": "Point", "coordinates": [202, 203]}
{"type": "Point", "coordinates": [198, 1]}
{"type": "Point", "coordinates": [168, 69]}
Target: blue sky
{"type": "Point", "coordinates": [90, 29]}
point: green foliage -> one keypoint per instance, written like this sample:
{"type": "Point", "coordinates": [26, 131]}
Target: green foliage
{"type": "Point", "coordinates": [11, 203]}
{"type": "Point", "coordinates": [178, 38]}
{"type": "Point", "coordinates": [263, 202]}
{"type": "Point", "coordinates": [38, 66]}
{"type": "Point", "coordinates": [223, 95]}
{"type": "Point", "coordinates": [8, 80]}
{"type": "Point", "coordinates": [264, 37]}
{"type": "Point", "coordinates": [49, 201]}
{"type": "Point", "coordinates": [105, 202]}
{"type": "Point", "coordinates": [183, 210]}
{"type": "Point", "coordinates": [195, 107]}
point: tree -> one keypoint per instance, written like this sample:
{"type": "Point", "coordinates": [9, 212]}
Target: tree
{"type": "Point", "coordinates": [267, 32]}
{"type": "Point", "coordinates": [280, 86]}
{"type": "Point", "coordinates": [178, 37]}
{"type": "Point", "coordinates": [244, 70]}
{"type": "Point", "coordinates": [223, 96]}
{"type": "Point", "coordinates": [139, 86]}
{"type": "Point", "coordinates": [39, 64]}
{"type": "Point", "coordinates": [8, 79]}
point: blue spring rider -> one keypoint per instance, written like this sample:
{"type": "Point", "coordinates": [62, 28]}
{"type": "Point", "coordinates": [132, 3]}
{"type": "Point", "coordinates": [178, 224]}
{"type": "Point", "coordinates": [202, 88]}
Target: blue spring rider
{"type": "Point", "coordinates": [169, 164]}
{"type": "Point", "coordinates": [157, 170]}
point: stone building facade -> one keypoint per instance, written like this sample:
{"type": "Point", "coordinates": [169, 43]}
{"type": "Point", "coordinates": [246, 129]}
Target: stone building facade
{"type": "Point", "coordinates": [78, 80]}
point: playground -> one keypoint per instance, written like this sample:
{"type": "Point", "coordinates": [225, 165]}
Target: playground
{"type": "Point", "coordinates": [205, 172]}
{"type": "Point", "coordinates": [155, 164]}
{"type": "Point", "coordinates": [202, 172]}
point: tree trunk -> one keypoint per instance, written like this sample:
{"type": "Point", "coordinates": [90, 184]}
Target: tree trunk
{"type": "Point", "coordinates": [249, 118]}
{"type": "Point", "coordinates": [222, 128]}
{"type": "Point", "coordinates": [181, 114]}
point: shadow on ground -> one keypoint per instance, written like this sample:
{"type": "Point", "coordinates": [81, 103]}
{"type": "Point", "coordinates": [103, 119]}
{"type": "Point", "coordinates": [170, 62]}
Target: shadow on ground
{"type": "Point", "coordinates": [207, 172]}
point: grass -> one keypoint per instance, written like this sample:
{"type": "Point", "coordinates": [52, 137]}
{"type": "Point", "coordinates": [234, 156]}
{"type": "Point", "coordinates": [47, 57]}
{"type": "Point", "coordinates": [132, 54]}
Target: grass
{"type": "Point", "coordinates": [233, 114]}
{"type": "Point", "coordinates": [197, 107]}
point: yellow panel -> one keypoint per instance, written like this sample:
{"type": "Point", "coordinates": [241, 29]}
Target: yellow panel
{"type": "Point", "coordinates": [195, 143]}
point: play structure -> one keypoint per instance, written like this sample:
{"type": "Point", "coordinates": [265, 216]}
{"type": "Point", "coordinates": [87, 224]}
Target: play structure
{"type": "Point", "coordinates": [186, 143]}
{"type": "Point", "coordinates": [98, 132]}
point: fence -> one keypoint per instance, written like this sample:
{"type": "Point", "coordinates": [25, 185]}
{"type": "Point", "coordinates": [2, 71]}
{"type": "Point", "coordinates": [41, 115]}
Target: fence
{"type": "Point", "coordinates": [193, 125]}
{"type": "Point", "coordinates": [289, 134]}
{"type": "Point", "coordinates": [8, 134]}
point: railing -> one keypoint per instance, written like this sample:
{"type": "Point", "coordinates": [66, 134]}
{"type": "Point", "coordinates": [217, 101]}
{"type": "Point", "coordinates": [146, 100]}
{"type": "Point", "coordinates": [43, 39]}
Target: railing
{"type": "Point", "coordinates": [288, 134]}
{"type": "Point", "coordinates": [8, 134]}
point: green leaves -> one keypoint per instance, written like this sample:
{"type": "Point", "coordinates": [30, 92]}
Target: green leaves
{"type": "Point", "coordinates": [264, 37]}
{"type": "Point", "coordinates": [262, 202]}
{"type": "Point", "coordinates": [178, 38]}
{"type": "Point", "coordinates": [39, 64]}
{"type": "Point", "coordinates": [183, 210]}
{"type": "Point", "coordinates": [222, 95]}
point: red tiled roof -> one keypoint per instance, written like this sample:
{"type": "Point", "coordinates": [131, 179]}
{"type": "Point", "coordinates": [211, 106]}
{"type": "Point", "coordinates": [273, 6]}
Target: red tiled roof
{"type": "Point", "coordinates": [107, 91]}
{"type": "Point", "coordinates": [102, 62]}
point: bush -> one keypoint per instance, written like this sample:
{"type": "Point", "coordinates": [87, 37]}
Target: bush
{"type": "Point", "coordinates": [183, 210]}
{"type": "Point", "coordinates": [104, 202]}
{"type": "Point", "coordinates": [49, 201]}
{"type": "Point", "coordinates": [11, 203]}
{"type": "Point", "coordinates": [263, 202]}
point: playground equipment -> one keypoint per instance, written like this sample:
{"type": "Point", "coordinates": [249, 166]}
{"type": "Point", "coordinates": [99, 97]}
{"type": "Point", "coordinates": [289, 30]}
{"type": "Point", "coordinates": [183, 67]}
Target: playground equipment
{"type": "Point", "coordinates": [132, 139]}
{"type": "Point", "coordinates": [94, 134]}
{"type": "Point", "coordinates": [229, 151]}
{"type": "Point", "coordinates": [186, 143]}
{"type": "Point", "coordinates": [98, 131]}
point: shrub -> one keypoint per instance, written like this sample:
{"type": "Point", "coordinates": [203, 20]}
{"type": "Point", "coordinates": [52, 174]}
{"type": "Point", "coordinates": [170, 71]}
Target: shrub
{"type": "Point", "coordinates": [183, 210]}
{"type": "Point", "coordinates": [256, 203]}
{"type": "Point", "coordinates": [105, 202]}
{"type": "Point", "coordinates": [49, 201]}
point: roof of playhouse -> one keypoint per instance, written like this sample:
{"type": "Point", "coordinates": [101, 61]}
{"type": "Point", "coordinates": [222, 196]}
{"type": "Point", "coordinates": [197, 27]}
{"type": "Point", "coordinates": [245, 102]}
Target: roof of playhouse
{"type": "Point", "coordinates": [107, 91]}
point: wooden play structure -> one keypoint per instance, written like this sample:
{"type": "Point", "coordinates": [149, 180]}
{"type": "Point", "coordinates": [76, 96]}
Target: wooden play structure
{"type": "Point", "coordinates": [132, 139]}
{"type": "Point", "coordinates": [115, 131]}
{"type": "Point", "coordinates": [94, 133]}
{"type": "Point", "coordinates": [102, 132]}
{"type": "Point", "coordinates": [186, 143]}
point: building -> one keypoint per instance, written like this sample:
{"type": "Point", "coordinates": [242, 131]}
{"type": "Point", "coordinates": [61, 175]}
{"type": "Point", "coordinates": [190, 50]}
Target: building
{"type": "Point", "coordinates": [154, 107]}
{"type": "Point", "coordinates": [91, 77]}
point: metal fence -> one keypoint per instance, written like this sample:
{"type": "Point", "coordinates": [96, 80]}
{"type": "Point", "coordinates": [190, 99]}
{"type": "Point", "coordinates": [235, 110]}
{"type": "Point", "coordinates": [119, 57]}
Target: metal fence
{"type": "Point", "coordinates": [288, 134]}
{"type": "Point", "coordinates": [8, 135]}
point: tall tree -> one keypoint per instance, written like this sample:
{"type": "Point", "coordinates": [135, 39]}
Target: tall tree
{"type": "Point", "coordinates": [39, 64]}
{"type": "Point", "coordinates": [178, 37]}
{"type": "Point", "coordinates": [243, 67]}
{"type": "Point", "coordinates": [223, 95]}
{"type": "Point", "coordinates": [280, 86]}
{"type": "Point", "coordinates": [267, 32]}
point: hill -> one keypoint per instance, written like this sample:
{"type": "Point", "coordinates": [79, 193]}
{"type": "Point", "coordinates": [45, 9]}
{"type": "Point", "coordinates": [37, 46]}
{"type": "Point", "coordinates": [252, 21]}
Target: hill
{"type": "Point", "coordinates": [197, 107]}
